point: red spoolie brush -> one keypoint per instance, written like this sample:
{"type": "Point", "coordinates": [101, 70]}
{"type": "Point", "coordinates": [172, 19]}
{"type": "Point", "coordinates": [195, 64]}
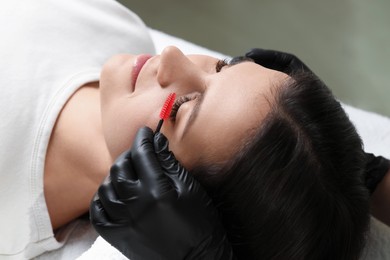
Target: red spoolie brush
{"type": "Point", "coordinates": [166, 110]}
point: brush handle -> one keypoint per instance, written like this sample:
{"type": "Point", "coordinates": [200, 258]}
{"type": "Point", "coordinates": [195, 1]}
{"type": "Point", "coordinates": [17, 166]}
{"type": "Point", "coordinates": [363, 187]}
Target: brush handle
{"type": "Point", "coordinates": [158, 128]}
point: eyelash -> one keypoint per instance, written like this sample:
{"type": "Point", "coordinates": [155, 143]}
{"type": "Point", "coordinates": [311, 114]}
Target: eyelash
{"type": "Point", "coordinates": [220, 64]}
{"type": "Point", "coordinates": [180, 101]}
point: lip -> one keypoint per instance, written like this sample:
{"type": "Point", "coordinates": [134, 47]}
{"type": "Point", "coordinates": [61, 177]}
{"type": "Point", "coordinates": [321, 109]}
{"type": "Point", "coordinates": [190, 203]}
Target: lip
{"type": "Point", "coordinates": [139, 62]}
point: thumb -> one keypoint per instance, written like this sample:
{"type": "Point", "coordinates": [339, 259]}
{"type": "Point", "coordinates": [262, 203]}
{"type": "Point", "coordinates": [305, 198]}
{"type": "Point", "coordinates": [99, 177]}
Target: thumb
{"type": "Point", "coordinates": [167, 159]}
{"type": "Point", "coordinates": [146, 164]}
{"type": "Point", "coordinates": [172, 167]}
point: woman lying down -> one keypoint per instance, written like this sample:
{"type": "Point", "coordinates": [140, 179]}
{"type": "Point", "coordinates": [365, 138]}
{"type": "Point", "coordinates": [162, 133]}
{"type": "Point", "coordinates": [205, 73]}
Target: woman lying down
{"type": "Point", "coordinates": [257, 159]}
{"type": "Point", "coordinates": [282, 166]}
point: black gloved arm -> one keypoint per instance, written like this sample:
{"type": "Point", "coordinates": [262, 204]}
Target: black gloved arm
{"type": "Point", "coordinates": [277, 60]}
{"type": "Point", "coordinates": [376, 169]}
{"type": "Point", "coordinates": [378, 182]}
{"type": "Point", "coordinates": [150, 207]}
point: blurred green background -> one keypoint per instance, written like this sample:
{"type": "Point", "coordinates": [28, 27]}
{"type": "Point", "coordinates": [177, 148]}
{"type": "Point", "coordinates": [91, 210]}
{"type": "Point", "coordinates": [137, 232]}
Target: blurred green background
{"type": "Point", "coordinates": [345, 42]}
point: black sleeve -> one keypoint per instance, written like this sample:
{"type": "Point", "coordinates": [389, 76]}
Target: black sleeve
{"type": "Point", "coordinates": [376, 169]}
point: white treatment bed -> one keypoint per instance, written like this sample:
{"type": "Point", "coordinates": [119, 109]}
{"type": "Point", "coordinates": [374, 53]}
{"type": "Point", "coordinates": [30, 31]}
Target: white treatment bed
{"type": "Point", "coordinates": [83, 242]}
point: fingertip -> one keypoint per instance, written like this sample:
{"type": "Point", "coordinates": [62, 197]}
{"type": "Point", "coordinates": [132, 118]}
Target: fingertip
{"type": "Point", "coordinates": [145, 131]}
{"type": "Point", "coordinates": [142, 149]}
{"type": "Point", "coordinates": [142, 134]}
{"type": "Point", "coordinates": [95, 197]}
{"type": "Point", "coordinates": [123, 156]}
{"type": "Point", "coordinates": [161, 143]}
{"type": "Point", "coordinates": [95, 206]}
{"type": "Point", "coordinates": [97, 215]}
{"type": "Point", "coordinates": [123, 170]}
{"type": "Point", "coordinates": [105, 191]}
{"type": "Point", "coordinates": [143, 138]}
{"type": "Point", "coordinates": [256, 52]}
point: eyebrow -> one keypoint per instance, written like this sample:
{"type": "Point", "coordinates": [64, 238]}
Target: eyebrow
{"type": "Point", "coordinates": [194, 112]}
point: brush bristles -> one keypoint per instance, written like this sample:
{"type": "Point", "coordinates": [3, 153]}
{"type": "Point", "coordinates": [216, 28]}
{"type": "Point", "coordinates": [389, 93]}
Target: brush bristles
{"type": "Point", "coordinates": [167, 108]}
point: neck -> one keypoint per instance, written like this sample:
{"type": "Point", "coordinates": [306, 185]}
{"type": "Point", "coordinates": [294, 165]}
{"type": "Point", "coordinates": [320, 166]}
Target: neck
{"type": "Point", "coordinates": [77, 159]}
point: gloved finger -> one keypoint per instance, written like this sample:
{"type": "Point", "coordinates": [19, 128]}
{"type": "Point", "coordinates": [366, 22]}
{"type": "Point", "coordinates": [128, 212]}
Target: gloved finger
{"type": "Point", "coordinates": [277, 60]}
{"type": "Point", "coordinates": [271, 59]}
{"type": "Point", "coordinates": [147, 166]}
{"type": "Point", "coordinates": [97, 214]}
{"type": "Point", "coordinates": [116, 210]}
{"type": "Point", "coordinates": [124, 178]}
{"type": "Point", "coordinates": [123, 164]}
{"type": "Point", "coordinates": [181, 178]}
{"type": "Point", "coordinates": [99, 219]}
{"type": "Point", "coordinates": [267, 58]}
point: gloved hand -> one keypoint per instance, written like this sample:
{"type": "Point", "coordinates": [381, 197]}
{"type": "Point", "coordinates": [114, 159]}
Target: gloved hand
{"type": "Point", "coordinates": [276, 60]}
{"type": "Point", "coordinates": [376, 169]}
{"type": "Point", "coordinates": [150, 207]}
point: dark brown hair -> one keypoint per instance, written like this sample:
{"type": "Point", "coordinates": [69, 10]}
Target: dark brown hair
{"type": "Point", "coordinates": [296, 190]}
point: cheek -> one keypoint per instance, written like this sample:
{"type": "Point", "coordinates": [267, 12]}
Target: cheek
{"type": "Point", "coordinates": [122, 118]}
{"type": "Point", "coordinates": [186, 157]}
{"type": "Point", "coordinates": [195, 150]}
{"type": "Point", "coordinates": [208, 143]}
{"type": "Point", "coordinates": [115, 77]}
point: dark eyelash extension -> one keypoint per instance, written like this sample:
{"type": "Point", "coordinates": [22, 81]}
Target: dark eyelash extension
{"type": "Point", "coordinates": [220, 64]}
{"type": "Point", "coordinates": [180, 101]}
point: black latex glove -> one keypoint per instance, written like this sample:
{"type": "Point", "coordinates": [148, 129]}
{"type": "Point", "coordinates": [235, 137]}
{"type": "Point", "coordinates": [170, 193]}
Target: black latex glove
{"type": "Point", "coordinates": [376, 169]}
{"type": "Point", "coordinates": [276, 60]}
{"type": "Point", "coordinates": [150, 207]}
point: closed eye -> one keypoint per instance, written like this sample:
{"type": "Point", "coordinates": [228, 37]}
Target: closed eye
{"type": "Point", "coordinates": [180, 101]}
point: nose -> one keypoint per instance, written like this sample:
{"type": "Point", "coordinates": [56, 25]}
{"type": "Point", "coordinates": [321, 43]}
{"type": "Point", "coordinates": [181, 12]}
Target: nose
{"type": "Point", "coordinates": [176, 69]}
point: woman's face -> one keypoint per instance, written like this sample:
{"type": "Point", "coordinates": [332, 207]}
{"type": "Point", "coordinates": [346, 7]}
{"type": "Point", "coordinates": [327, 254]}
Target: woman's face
{"type": "Point", "coordinates": [220, 108]}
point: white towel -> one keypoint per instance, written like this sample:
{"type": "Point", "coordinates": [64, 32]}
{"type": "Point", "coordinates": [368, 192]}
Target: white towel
{"type": "Point", "coordinates": [102, 250]}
